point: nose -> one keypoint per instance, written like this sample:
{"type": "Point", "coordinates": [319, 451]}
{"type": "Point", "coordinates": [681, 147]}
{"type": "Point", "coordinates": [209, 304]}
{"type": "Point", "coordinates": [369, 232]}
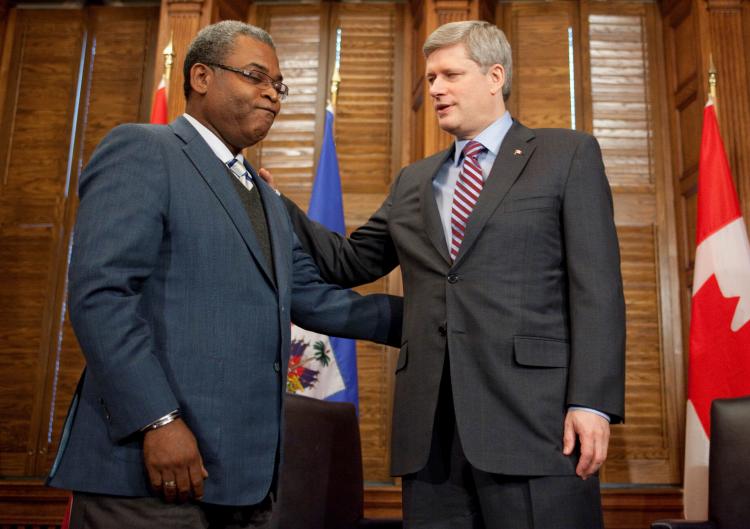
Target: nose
{"type": "Point", "coordinates": [270, 92]}
{"type": "Point", "coordinates": [436, 88]}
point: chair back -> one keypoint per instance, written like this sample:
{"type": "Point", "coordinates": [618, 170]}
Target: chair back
{"type": "Point", "coordinates": [320, 475]}
{"type": "Point", "coordinates": [729, 464]}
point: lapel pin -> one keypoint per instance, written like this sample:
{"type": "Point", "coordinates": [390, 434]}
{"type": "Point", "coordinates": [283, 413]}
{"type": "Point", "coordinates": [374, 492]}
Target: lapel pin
{"type": "Point", "coordinates": [517, 152]}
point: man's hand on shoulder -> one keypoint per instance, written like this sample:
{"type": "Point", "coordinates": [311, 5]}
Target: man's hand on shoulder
{"type": "Point", "coordinates": [593, 432]}
{"type": "Point", "coordinates": [266, 175]}
{"type": "Point", "coordinates": [173, 461]}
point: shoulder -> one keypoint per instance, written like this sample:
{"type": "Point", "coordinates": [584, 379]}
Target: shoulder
{"type": "Point", "coordinates": [139, 132]}
{"type": "Point", "coordinates": [565, 139]}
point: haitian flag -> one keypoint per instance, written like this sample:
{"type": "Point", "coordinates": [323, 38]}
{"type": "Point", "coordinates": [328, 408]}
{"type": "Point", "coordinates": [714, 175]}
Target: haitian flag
{"type": "Point", "coordinates": [719, 362]}
{"type": "Point", "coordinates": [321, 366]}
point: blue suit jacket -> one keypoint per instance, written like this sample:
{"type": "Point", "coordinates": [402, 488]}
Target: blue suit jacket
{"type": "Point", "coordinates": [174, 306]}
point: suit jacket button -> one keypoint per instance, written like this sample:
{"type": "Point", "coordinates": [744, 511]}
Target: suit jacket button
{"type": "Point", "coordinates": [442, 330]}
{"type": "Point", "coordinates": [277, 366]}
{"type": "Point", "coordinates": [453, 278]}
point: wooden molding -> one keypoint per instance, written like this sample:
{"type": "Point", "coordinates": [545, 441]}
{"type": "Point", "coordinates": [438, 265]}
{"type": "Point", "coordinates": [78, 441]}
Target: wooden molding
{"type": "Point", "coordinates": [30, 502]}
{"type": "Point", "coordinates": [624, 508]}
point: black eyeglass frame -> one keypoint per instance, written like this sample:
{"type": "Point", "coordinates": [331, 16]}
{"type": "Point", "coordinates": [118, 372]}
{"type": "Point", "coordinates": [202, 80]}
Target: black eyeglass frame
{"type": "Point", "coordinates": [256, 77]}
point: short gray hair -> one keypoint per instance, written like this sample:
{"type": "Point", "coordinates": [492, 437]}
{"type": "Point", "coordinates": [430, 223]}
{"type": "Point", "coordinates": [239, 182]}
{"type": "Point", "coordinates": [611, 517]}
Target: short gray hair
{"type": "Point", "coordinates": [213, 43]}
{"type": "Point", "coordinates": [486, 44]}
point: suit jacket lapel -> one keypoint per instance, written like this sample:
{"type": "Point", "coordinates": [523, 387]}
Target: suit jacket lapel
{"type": "Point", "coordinates": [432, 223]}
{"type": "Point", "coordinates": [215, 174]}
{"type": "Point", "coordinates": [515, 151]}
{"type": "Point", "coordinates": [279, 239]}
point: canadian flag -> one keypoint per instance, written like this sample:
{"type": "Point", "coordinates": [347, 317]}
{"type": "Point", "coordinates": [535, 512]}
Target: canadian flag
{"type": "Point", "coordinates": [159, 114]}
{"type": "Point", "coordinates": [719, 363]}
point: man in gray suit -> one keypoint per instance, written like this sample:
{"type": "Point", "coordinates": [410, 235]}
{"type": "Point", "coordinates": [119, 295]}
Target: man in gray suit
{"type": "Point", "coordinates": [184, 277]}
{"type": "Point", "coordinates": [512, 365]}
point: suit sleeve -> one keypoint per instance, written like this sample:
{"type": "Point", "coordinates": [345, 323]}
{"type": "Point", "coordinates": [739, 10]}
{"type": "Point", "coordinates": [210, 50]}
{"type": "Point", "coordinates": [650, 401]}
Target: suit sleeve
{"type": "Point", "coordinates": [118, 237]}
{"type": "Point", "coordinates": [330, 309]}
{"type": "Point", "coordinates": [596, 302]}
{"type": "Point", "coordinates": [366, 255]}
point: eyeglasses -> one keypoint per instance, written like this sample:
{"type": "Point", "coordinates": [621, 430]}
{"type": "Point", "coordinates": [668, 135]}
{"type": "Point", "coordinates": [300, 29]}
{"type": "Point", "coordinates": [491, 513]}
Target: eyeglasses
{"type": "Point", "coordinates": [257, 78]}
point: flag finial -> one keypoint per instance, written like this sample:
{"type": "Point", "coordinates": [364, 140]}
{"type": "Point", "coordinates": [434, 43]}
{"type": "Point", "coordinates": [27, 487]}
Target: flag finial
{"type": "Point", "coordinates": [169, 56]}
{"type": "Point", "coordinates": [336, 77]}
{"type": "Point", "coordinates": [711, 78]}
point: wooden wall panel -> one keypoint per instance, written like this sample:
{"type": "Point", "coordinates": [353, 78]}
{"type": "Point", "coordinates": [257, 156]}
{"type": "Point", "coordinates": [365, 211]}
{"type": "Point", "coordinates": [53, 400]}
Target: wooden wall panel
{"type": "Point", "coordinates": [364, 129]}
{"type": "Point", "coordinates": [625, 100]}
{"type": "Point", "coordinates": [733, 101]}
{"type": "Point", "coordinates": [619, 95]}
{"type": "Point", "coordinates": [98, 61]}
{"type": "Point", "coordinates": [34, 159]}
{"type": "Point", "coordinates": [538, 33]}
{"type": "Point", "coordinates": [684, 41]}
{"type": "Point", "coordinates": [615, 95]}
{"type": "Point", "coordinates": [118, 89]}
{"type": "Point", "coordinates": [364, 117]}
{"type": "Point", "coordinates": [364, 125]}
{"type": "Point", "coordinates": [290, 147]}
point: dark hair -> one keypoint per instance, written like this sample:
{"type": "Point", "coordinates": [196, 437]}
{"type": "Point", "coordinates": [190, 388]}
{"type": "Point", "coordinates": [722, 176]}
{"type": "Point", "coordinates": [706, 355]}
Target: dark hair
{"type": "Point", "coordinates": [215, 42]}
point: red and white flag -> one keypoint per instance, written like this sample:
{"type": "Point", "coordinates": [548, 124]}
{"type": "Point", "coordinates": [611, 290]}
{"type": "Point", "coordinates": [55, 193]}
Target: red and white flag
{"type": "Point", "coordinates": [159, 114]}
{"type": "Point", "coordinates": [719, 364]}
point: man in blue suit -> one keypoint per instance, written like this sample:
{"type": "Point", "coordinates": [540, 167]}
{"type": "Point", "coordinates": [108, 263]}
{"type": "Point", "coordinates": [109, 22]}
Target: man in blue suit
{"type": "Point", "coordinates": [184, 277]}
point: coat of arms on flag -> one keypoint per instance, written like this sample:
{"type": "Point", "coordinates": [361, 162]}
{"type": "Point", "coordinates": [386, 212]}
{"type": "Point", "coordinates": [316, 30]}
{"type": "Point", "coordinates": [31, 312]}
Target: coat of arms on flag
{"type": "Point", "coordinates": [313, 369]}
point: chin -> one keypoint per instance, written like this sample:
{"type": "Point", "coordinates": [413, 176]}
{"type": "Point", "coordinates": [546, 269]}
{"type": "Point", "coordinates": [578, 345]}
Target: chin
{"type": "Point", "coordinates": [448, 127]}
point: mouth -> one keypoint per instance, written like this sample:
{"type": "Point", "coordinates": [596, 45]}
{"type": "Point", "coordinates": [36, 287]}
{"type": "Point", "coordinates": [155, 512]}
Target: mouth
{"type": "Point", "coordinates": [442, 108]}
{"type": "Point", "coordinates": [269, 110]}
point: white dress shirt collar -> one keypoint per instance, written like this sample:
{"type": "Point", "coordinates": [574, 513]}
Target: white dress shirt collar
{"type": "Point", "coordinates": [221, 151]}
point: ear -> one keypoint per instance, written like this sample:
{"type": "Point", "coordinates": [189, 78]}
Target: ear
{"type": "Point", "coordinates": [496, 75]}
{"type": "Point", "coordinates": [201, 77]}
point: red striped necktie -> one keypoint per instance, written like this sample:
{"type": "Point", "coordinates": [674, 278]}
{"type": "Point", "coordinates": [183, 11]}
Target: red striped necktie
{"type": "Point", "coordinates": [466, 193]}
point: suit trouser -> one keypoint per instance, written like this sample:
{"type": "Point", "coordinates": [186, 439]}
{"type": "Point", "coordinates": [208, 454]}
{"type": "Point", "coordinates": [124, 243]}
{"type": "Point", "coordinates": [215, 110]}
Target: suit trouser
{"type": "Point", "coordinates": [449, 493]}
{"type": "Point", "coordinates": [100, 511]}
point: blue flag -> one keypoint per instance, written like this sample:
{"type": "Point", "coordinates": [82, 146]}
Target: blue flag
{"type": "Point", "coordinates": [321, 366]}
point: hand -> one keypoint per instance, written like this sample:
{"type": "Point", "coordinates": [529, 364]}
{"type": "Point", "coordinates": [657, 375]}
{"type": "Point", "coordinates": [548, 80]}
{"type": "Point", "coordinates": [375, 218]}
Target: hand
{"type": "Point", "coordinates": [593, 432]}
{"type": "Point", "coordinates": [266, 175]}
{"type": "Point", "coordinates": [173, 462]}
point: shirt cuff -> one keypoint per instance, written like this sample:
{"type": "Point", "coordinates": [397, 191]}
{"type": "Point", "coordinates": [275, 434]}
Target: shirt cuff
{"type": "Point", "coordinates": [590, 410]}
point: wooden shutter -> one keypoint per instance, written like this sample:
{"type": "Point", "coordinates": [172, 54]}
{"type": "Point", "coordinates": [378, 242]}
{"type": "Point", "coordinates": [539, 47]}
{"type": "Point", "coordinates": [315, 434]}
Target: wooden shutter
{"type": "Point", "coordinates": [305, 40]}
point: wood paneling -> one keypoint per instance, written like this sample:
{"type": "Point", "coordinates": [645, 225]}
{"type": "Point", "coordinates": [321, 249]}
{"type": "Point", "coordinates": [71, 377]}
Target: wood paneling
{"type": "Point", "coordinates": [364, 128]}
{"type": "Point", "coordinates": [733, 104]}
{"type": "Point", "coordinates": [35, 157]}
{"type": "Point", "coordinates": [624, 120]}
{"type": "Point", "coordinates": [118, 88]}
{"type": "Point", "coordinates": [538, 33]}
{"type": "Point", "coordinates": [615, 95]}
{"type": "Point", "coordinates": [97, 62]}
{"type": "Point", "coordinates": [290, 147]}
{"type": "Point", "coordinates": [181, 20]}
{"type": "Point", "coordinates": [619, 96]}
{"type": "Point", "coordinates": [684, 38]}
{"type": "Point", "coordinates": [368, 157]}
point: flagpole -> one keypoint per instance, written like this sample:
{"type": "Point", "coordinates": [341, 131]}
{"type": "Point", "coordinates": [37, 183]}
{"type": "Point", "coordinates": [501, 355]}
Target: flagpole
{"type": "Point", "coordinates": [336, 77]}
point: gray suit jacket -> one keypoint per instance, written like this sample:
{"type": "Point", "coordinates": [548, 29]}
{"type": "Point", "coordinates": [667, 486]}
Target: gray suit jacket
{"type": "Point", "coordinates": [174, 306]}
{"type": "Point", "coordinates": [531, 313]}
